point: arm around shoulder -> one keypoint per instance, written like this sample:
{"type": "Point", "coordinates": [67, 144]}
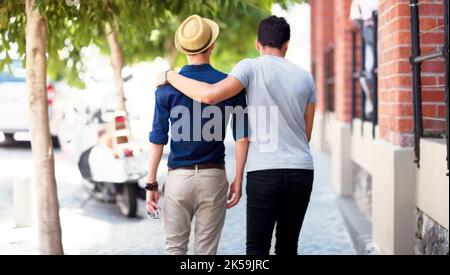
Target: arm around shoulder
{"type": "Point", "coordinates": [205, 92]}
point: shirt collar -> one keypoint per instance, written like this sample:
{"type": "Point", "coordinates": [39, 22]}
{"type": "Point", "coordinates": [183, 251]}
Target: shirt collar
{"type": "Point", "coordinates": [196, 68]}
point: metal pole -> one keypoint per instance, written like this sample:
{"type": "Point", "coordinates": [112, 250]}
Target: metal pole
{"type": "Point", "coordinates": [417, 98]}
{"type": "Point", "coordinates": [325, 61]}
{"type": "Point", "coordinates": [353, 76]}
{"type": "Point", "coordinates": [447, 72]}
{"type": "Point", "coordinates": [429, 56]}
{"type": "Point", "coordinates": [332, 92]}
{"type": "Point", "coordinates": [375, 77]}
{"type": "Point", "coordinates": [328, 78]}
{"type": "Point", "coordinates": [362, 74]}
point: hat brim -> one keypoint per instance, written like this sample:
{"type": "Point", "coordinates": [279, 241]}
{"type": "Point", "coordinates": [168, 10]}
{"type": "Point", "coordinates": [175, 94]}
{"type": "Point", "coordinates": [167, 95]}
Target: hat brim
{"type": "Point", "coordinates": [214, 35]}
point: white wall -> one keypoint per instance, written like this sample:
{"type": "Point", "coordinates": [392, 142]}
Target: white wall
{"type": "Point", "coordinates": [298, 18]}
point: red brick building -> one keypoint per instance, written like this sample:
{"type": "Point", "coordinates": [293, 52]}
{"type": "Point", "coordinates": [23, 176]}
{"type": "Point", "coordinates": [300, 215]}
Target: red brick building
{"type": "Point", "coordinates": [392, 167]}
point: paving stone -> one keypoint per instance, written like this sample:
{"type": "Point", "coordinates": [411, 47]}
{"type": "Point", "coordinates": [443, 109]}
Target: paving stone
{"type": "Point", "coordinates": [100, 229]}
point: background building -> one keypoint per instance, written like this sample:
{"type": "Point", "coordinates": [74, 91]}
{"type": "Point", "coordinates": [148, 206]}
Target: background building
{"type": "Point", "coordinates": [390, 170]}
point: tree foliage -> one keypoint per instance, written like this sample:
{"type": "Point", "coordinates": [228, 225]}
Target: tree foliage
{"type": "Point", "coordinates": [145, 28]}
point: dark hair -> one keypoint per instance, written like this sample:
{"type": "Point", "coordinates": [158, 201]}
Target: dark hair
{"type": "Point", "coordinates": [274, 32]}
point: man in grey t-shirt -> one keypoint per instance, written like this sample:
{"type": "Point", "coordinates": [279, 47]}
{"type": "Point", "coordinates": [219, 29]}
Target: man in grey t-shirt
{"type": "Point", "coordinates": [280, 171]}
{"type": "Point", "coordinates": [273, 81]}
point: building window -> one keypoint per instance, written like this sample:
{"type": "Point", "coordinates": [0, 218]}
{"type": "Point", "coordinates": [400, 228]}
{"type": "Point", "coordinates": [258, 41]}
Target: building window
{"type": "Point", "coordinates": [364, 74]}
{"type": "Point", "coordinates": [329, 77]}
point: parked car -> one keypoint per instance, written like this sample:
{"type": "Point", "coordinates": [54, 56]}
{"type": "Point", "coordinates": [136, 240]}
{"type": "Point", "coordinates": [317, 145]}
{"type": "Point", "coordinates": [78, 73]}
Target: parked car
{"type": "Point", "coordinates": [14, 115]}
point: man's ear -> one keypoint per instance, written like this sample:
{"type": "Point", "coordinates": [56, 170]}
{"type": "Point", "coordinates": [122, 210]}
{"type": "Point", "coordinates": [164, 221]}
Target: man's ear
{"type": "Point", "coordinates": [212, 46]}
{"type": "Point", "coordinates": [258, 45]}
{"type": "Point", "coordinates": [285, 47]}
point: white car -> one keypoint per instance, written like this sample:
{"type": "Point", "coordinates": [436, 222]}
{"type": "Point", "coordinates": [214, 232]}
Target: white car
{"type": "Point", "coordinates": [14, 115]}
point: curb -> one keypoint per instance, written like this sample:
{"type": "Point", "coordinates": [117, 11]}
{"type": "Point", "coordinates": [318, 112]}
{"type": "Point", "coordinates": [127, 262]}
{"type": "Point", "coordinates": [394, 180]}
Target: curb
{"type": "Point", "coordinates": [359, 228]}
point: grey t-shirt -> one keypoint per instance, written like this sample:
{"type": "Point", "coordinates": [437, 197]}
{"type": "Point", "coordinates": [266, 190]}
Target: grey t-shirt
{"type": "Point", "coordinates": [278, 92]}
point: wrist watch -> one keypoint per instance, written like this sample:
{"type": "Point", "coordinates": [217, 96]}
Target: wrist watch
{"type": "Point", "coordinates": [151, 186]}
{"type": "Point", "coordinates": [164, 77]}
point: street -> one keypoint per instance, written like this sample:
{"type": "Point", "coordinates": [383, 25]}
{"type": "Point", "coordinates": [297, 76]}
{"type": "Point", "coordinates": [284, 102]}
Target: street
{"type": "Point", "coordinates": [98, 228]}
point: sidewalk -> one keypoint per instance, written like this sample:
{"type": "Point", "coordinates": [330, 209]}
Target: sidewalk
{"type": "Point", "coordinates": [100, 229]}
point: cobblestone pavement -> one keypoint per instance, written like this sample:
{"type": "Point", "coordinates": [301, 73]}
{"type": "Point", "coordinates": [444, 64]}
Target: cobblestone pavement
{"type": "Point", "coordinates": [99, 228]}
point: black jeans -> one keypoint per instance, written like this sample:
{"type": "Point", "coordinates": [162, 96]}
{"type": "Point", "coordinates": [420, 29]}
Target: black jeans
{"type": "Point", "coordinates": [278, 196]}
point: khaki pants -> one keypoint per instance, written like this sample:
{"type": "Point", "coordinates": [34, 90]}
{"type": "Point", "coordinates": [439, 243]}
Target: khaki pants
{"type": "Point", "coordinates": [202, 193]}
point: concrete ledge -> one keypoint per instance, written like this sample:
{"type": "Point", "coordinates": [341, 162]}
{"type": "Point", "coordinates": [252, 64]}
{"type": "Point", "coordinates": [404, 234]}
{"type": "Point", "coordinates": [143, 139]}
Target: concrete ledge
{"type": "Point", "coordinates": [341, 168]}
{"type": "Point", "coordinates": [362, 145]}
{"type": "Point", "coordinates": [322, 135]}
{"type": "Point", "coordinates": [393, 198]}
{"type": "Point", "coordinates": [318, 134]}
{"type": "Point", "coordinates": [432, 188]}
{"type": "Point", "coordinates": [358, 226]}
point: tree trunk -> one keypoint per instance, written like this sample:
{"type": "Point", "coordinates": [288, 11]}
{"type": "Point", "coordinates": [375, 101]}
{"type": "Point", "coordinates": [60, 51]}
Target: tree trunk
{"type": "Point", "coordinates": [117, 63]}
{"type": "Point", "coordinates": [49, 226]}
{"type": "Point", "coordinates": [171, 53]}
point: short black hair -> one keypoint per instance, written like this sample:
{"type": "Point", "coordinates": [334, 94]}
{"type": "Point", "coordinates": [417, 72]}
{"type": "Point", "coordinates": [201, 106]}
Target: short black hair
{"type": "Point", "coordinates": [274, 31]}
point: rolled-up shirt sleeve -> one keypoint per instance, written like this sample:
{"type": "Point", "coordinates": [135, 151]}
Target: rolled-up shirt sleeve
{"type": "Point", "coordinates": [160, 127]}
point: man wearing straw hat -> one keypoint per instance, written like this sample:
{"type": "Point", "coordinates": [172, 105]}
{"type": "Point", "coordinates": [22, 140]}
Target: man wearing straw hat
{"type": "Point", "coordinates": [196, 184]}
{"type": "Point", "coordinates": [279, 177]}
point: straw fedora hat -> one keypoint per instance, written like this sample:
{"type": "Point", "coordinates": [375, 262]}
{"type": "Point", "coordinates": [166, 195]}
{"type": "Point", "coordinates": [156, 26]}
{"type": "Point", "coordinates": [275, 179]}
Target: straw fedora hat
{"type": "Point", "coordinates": [196, 34]}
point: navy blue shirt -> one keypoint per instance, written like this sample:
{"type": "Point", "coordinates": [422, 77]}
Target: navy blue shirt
{"type": "Point", "coordinates": [197, 130]}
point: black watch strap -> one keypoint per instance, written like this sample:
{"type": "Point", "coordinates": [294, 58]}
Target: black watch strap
{"type": "Point", "coordinates": [152, 186]}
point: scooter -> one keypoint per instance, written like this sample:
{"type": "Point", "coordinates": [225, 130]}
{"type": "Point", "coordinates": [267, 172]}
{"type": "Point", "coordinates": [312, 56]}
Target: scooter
{"type": "Point", "coordinates": [112, 168]}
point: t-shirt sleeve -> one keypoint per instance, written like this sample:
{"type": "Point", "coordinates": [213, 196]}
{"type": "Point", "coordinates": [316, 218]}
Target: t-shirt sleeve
{"type": "Point", "coordinates": [312, 91]}
{"type": "Point", "coordinates": [160, 128]}
{"type": "Point", "coordinates": [243, 71]}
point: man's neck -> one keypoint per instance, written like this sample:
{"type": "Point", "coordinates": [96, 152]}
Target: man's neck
{"type": "Point", "coordinates": [198, 59]}
{"type": "Point", "coordinates": [272, 51]}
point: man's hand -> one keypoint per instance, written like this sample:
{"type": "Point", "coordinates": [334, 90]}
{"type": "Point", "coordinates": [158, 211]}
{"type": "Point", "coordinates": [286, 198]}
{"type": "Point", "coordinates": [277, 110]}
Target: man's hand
{"type": "Point", "coordinates": [235, 193]}
{"type": "Point", "coordinates": [155, 152]}
{"type": "Point", "coordinates": [161, 78]}
{"type": "Point", "coordinates": [152, 201]}
{"type": "Point", "coordinates": [201, 91]}
{"type": "Point", "coordinates": [356, 25]}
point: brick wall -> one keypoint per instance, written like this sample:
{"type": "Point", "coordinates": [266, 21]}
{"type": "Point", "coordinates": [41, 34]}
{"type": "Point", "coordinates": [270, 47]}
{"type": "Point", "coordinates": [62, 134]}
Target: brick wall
{"type": "Point", "coordinates": [358, 68]}
{"type": "Point", "coordinates": [394, 70]}
{"type": "Point", "coordinates": [394, 73]}
{"type": "Point", "coordinates": [321, 39]}
{"type": "Point", "coordinates": [431, 14]}
{"type": "Point", "coordinates": [330, 25]}
{"type": "Point", "coordinates": [312, 22]}
{"type": "Point", "coordinates": [343, 51]}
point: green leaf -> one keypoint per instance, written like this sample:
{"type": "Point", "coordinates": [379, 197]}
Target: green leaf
{"type": "Point", "coordinates": [84, 25]}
